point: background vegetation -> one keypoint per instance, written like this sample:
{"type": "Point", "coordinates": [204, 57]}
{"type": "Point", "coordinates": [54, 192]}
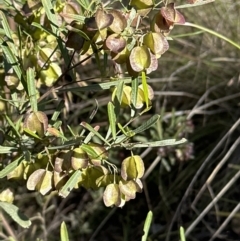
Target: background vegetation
{"type": "Point", "coordinates": [196, 89]}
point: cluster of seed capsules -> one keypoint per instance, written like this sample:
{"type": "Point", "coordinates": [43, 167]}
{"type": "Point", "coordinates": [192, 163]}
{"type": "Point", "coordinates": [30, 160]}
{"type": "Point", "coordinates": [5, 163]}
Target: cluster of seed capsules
{"type": "Point", "coordinates": [125, 36]}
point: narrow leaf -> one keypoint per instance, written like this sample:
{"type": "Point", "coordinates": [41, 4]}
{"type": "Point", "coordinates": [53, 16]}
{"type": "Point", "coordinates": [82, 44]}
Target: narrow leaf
{"type": "Point", "coordinates": [52, 16]}
{"type": "Point", "coordinates": [31, 133]}
{"type": "Point", "coordinates": [96, 87]}
{"type": "Point", "coordinates": [127, 134]}
{"type": "Point", "coordinates": [7, 31]}
{"type": "Point", "coordinates": [197, 3]}
{"type": "Point", "coordinates": [134, 92]}
{"type": "Point", "coordinates": [146, 125]}
{"type": "Point", "coordinates": [10, 50]}
{"type": "Point", "coordinates": [43, 28]}
{"type": "Point", "coordinates": [32, 89]}
{"type": "Point", "coordinates": [112, 119]}
{"type": "Point", "coordinates": [7, 149]}
{"type": "Point", "coordinates": [147, 225]}
{"type": "Point", "coordinates": [15, 214]}
{"type": "Point", "coordinates": [12, 60]}
{"type": "Point", "coordinates": [12, 125]}
{"type": "Point", "coordinates": [118, 97]}
{"type": "Point", "coordinates": [9, 168]}
{"type": "Point", "coordinates": [213, 33]}
{"type": "Point", "coordinates": [47, 4]}
{"type": "Point", "coordinates": [84, 3]}
{"type": "Point", "coordinates": [64, 232]}
{"type": "Point", "coordinates": [91, 129]}
{"type": "Point", "coordinates": [182, 234]}
{"type": "Point", "coordinates": [70, 184]}
{"type": "Point", "coordinates": [94, 151]}
{"type": "Point", "coordinates": [57, 112]}
{"type": "Point", "coordinates": [169, 142]}
{"type": "Point", "coordinates": [145, 88]}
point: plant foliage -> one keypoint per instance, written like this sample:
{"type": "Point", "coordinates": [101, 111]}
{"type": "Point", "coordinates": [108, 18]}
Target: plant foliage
{"type": "Point", "coordinates": [37, 55]}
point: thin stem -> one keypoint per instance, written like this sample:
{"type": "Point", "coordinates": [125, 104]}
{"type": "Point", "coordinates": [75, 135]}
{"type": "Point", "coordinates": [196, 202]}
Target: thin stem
{"type": "Point", "coordinates": [213, 33]}
{"type": "Point", "coordinates": [8, 228]}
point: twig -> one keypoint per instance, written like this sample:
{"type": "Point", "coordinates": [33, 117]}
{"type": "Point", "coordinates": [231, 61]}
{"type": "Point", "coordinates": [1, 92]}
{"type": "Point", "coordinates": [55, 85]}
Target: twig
{"type": "Point", "coordinates": [224, 224]}
{"type": "Point", "coordinates": [103, 223]}
{"type": "Point", "coordinates": [211, 204]}
{"type": "Point", "coordinates": [8, 227]}
{"type": "Point", "coordinates": [215, 171]}
{"type": "Point", "coordinates": [211, 103]}
{"type": "Point", "coordinates": [199, 171]}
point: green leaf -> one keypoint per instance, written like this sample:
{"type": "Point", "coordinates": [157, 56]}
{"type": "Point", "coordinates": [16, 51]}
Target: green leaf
{"type": "Point", "coordinates": [43, 28]}
{"type": "Point", "coordinates": [147, 224]}
{"type": "Point", "coordinates": [12, 60]}
{"type": "Point", "coordinates": [198, 3]}
{"type": "Point", "coordinates": [146, 125]}
{"type": "Point", "coordinates": [213, 33]}
{"type": "Point", "coordinates": [85, 4]}
{"type": "Point", "coordinates": [10, 51]}
{"type": "Point", "coordinates": [8, 32]}
{"type": "Point", "coordinates": [91, 129]}
{"type": "Point", "coordinates": [12, 125]}
{"type": "Point", "coordinates": [9, 168]}
{"type": "Point", "coordinates": [15, 214]}
{"type": "Point", "coordinates": [96, 87]}
{"type": "Point", "coordinates": [182, 234]}
{"type": "Point", "coordinates": [118, 96]}
{"type": "Point", "coordinates": [134, 92]}
{"type": "Point", "coordinates": [70, 184]}
{"type": "Point", "coordinates": [48, 7]}
{"type": "Point", "coordinates": [7, 149]}
{"type": "Point", "coordinates": [145, 87]}
{"type": "Point", "coordinates": [132, 16]}
{"type": "Point", "coordinates": [2, 31]}
{"type": "Point", "coordinates": [52, 16]}
{"type": "Point", "coordinates": [112, 119]}
{"type": "Point", "coordinates": [67, 144]}
{"type": "Point", "coordinates": [32, 89]}
{"type": "Point", "coordinates": [64, 232]}
{"type": "Point", "coordinates": [80, 32]}
{"type": "Point", "coordinates": [31, 133]}
{"type": "Point", "coordinates": [126, 133]}
{"type": "Point", "coordinates": [57, 112]}
{"type": "Point", "coordinates": [94, 151]}
{"type": "Point", "coordinates": [169, 142]}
